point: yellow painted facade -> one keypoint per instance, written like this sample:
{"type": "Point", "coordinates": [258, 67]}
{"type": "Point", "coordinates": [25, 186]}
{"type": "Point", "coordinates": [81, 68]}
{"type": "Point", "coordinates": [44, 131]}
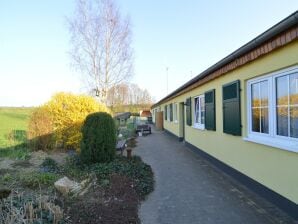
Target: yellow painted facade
{"type": "Point", "coordinates": [273, 167]}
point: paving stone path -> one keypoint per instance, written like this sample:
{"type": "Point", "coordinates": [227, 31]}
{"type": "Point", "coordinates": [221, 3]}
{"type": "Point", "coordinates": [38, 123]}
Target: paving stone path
{"type": "Point", "coordinates": [189, 190]}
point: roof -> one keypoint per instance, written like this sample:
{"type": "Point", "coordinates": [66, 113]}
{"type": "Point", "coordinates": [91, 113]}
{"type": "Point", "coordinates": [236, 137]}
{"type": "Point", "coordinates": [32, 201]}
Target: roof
{"type": "Point", "coordinates": [124, 115]}
{"type": "Point", "coordinates": [145, 113]}
{"type": "Point", "coordinates": [236, 57]}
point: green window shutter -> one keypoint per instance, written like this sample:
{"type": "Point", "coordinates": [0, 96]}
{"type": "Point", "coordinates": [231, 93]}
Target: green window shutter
{"type": "Point", "coordinates": [188, 111]}
{"type": "Point", "coordinates": [171, 112]}
{"type": "Point", "coordinates": [231, 108]}
{"type": "Point", "coordinates": [166, 114]}
{"type": "Point", "coordinates": [210, 122]}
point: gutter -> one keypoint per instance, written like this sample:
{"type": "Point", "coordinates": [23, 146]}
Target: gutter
{"type": "Point", "coordinates": [283, 25]}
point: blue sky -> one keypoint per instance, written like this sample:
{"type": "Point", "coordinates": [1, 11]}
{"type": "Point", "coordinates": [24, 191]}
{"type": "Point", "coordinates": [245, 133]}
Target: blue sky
{"type": "Point", "coordinates": [185, 36]}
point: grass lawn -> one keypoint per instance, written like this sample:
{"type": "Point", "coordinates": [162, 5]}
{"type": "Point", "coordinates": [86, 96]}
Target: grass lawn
{"type": "Point", "coordinates": [13, 120]}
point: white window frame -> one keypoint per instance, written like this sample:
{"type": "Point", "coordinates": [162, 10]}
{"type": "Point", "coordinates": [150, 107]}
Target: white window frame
{"type": "Point", "coordinates": [270, 114]}
{"type": "Point", "coordinates": [270, 139]}
{"type": "Point", "coordinates": [175, 112]}
{"type": "Point", "coordinates": [198, 124]}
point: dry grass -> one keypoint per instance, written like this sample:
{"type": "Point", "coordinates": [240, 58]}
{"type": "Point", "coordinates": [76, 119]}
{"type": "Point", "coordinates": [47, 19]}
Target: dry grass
{"type": "Point", "coordinates": [20, 208]}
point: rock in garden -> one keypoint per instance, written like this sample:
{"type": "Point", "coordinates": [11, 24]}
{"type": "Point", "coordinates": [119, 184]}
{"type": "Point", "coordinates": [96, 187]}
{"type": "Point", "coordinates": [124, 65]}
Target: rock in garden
{"type": "Point", "coordinates": [66, 186]}
{"type": "Point", "coordinates": [4, 193]}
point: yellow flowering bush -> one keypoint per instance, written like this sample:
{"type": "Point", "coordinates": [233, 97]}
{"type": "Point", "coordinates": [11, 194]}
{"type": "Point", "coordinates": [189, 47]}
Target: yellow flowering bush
{"type": "Point", "coordinates": [67, 113]}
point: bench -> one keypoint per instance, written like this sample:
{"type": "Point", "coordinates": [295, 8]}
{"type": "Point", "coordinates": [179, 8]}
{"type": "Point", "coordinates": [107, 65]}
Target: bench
{"type": "Point", "coordinates": [143, 128]}
{"type": "Point", "coordinates": [121, 145]}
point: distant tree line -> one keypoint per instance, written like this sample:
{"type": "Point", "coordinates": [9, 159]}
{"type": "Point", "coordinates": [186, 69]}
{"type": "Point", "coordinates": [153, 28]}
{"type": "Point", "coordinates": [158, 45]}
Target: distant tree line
{"type": "Point", "coordinates": [128, 97]}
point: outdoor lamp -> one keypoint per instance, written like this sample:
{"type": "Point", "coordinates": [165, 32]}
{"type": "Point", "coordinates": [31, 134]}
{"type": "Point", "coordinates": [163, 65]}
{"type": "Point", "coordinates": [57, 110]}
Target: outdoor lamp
{"type": "Point", "coordinates": [96, 92]}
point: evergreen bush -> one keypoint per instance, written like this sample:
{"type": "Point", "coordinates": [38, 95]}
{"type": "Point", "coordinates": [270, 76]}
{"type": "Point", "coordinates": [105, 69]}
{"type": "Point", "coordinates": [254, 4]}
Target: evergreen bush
{"type": "Point", "coordinates": [98, 138]}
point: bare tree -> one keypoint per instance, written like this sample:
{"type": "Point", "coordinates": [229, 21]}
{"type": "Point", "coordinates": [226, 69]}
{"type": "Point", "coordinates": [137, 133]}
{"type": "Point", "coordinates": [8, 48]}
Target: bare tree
{"type": "Point", "coordinates": [118, 95]}
{"type": "Point", "coordinates": [101, 45]}
{"type": "Point", "coordinates": [128, 96]}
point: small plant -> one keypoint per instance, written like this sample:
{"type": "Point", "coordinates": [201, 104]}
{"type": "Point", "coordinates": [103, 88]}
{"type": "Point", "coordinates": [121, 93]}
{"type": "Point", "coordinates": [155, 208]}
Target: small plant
{"type": "Point", "coordinates": [16, 137]}
{"type": "Point", "coordinates": [74, 160]}
{"type": "Point", "coordinates": [6, 177]}
{"type": "Point", "coordinates": [50, 165]}
{"type": "Point", "coordinates": [36, 179]}
{"type": "Point", "coordinates": [99, 138]}
{"type": "Point", "coordinates": [74, 168]}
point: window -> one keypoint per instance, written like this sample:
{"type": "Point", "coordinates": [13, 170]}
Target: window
{"type": "Point", "coordinates": [199, 116]}
{"type": "Point", "coordinates": [168, 112]}
{"type": "Point", "coordinates": [175, 113]}
{"type": "Point", "coordinates": [259, 107]}
{"type": "Point", "coordinates": [171, 112]}
{"type": "Point", "coordinates": [188, 111]}
{"type": "Point", "coordinates": [273, 109]}
{"type": "Point", "coordinates": [287, 105]}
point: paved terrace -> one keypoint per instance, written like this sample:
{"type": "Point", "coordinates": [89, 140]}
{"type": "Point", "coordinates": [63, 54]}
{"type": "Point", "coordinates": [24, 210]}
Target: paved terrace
{"type": "Point", "coordinates": [189, 190]}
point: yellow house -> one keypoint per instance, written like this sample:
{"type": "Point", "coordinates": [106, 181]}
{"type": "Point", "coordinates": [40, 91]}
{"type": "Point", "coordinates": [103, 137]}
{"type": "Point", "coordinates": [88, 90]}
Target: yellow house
{"type": "Point", "coordinates": [242, 114]}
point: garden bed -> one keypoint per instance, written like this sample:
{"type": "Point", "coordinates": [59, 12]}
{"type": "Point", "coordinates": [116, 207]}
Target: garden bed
{"type": "Point", "coordinates": [117, 203]}
{"type": "Point", "coordinates": [113, 197]}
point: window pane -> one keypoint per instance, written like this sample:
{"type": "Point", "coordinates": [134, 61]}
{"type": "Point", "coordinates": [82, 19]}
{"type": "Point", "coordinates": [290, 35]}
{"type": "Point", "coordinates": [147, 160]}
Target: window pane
{"type": "Point", "coordinates": [255, 93]}
{"type": "Point", "coordinates": [202, 117]}
{"type": "Point", "coordinates": [294, 89]}
{"type": "Point", "coordinates": [282, 121]}
{"type": "Point", "coordinates": [282, 90]}
{"type": "Point", "coordinates": [264, 121]}
{"type": "Point", "coordinates": [256, 119]}
{"type": "Point", "coordinates": [202, 107]}
{"type": "Point", "coordinates": [264, 93]}
{"type": "Point", "coordinates": [202, 103]}
{"type": "Point", "coordinates": [294, 122]}
{"type": "Point", "coordinates": [197, 110]}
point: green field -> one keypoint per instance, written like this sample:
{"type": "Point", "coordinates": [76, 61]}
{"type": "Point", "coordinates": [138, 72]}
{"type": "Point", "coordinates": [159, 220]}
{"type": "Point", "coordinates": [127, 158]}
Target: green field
{"type": "Point", "coordinates": [13, 125]}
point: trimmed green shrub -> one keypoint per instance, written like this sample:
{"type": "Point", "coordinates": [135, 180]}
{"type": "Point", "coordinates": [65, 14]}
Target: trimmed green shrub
{"type": "Point", "coordinates": [98, 138]}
